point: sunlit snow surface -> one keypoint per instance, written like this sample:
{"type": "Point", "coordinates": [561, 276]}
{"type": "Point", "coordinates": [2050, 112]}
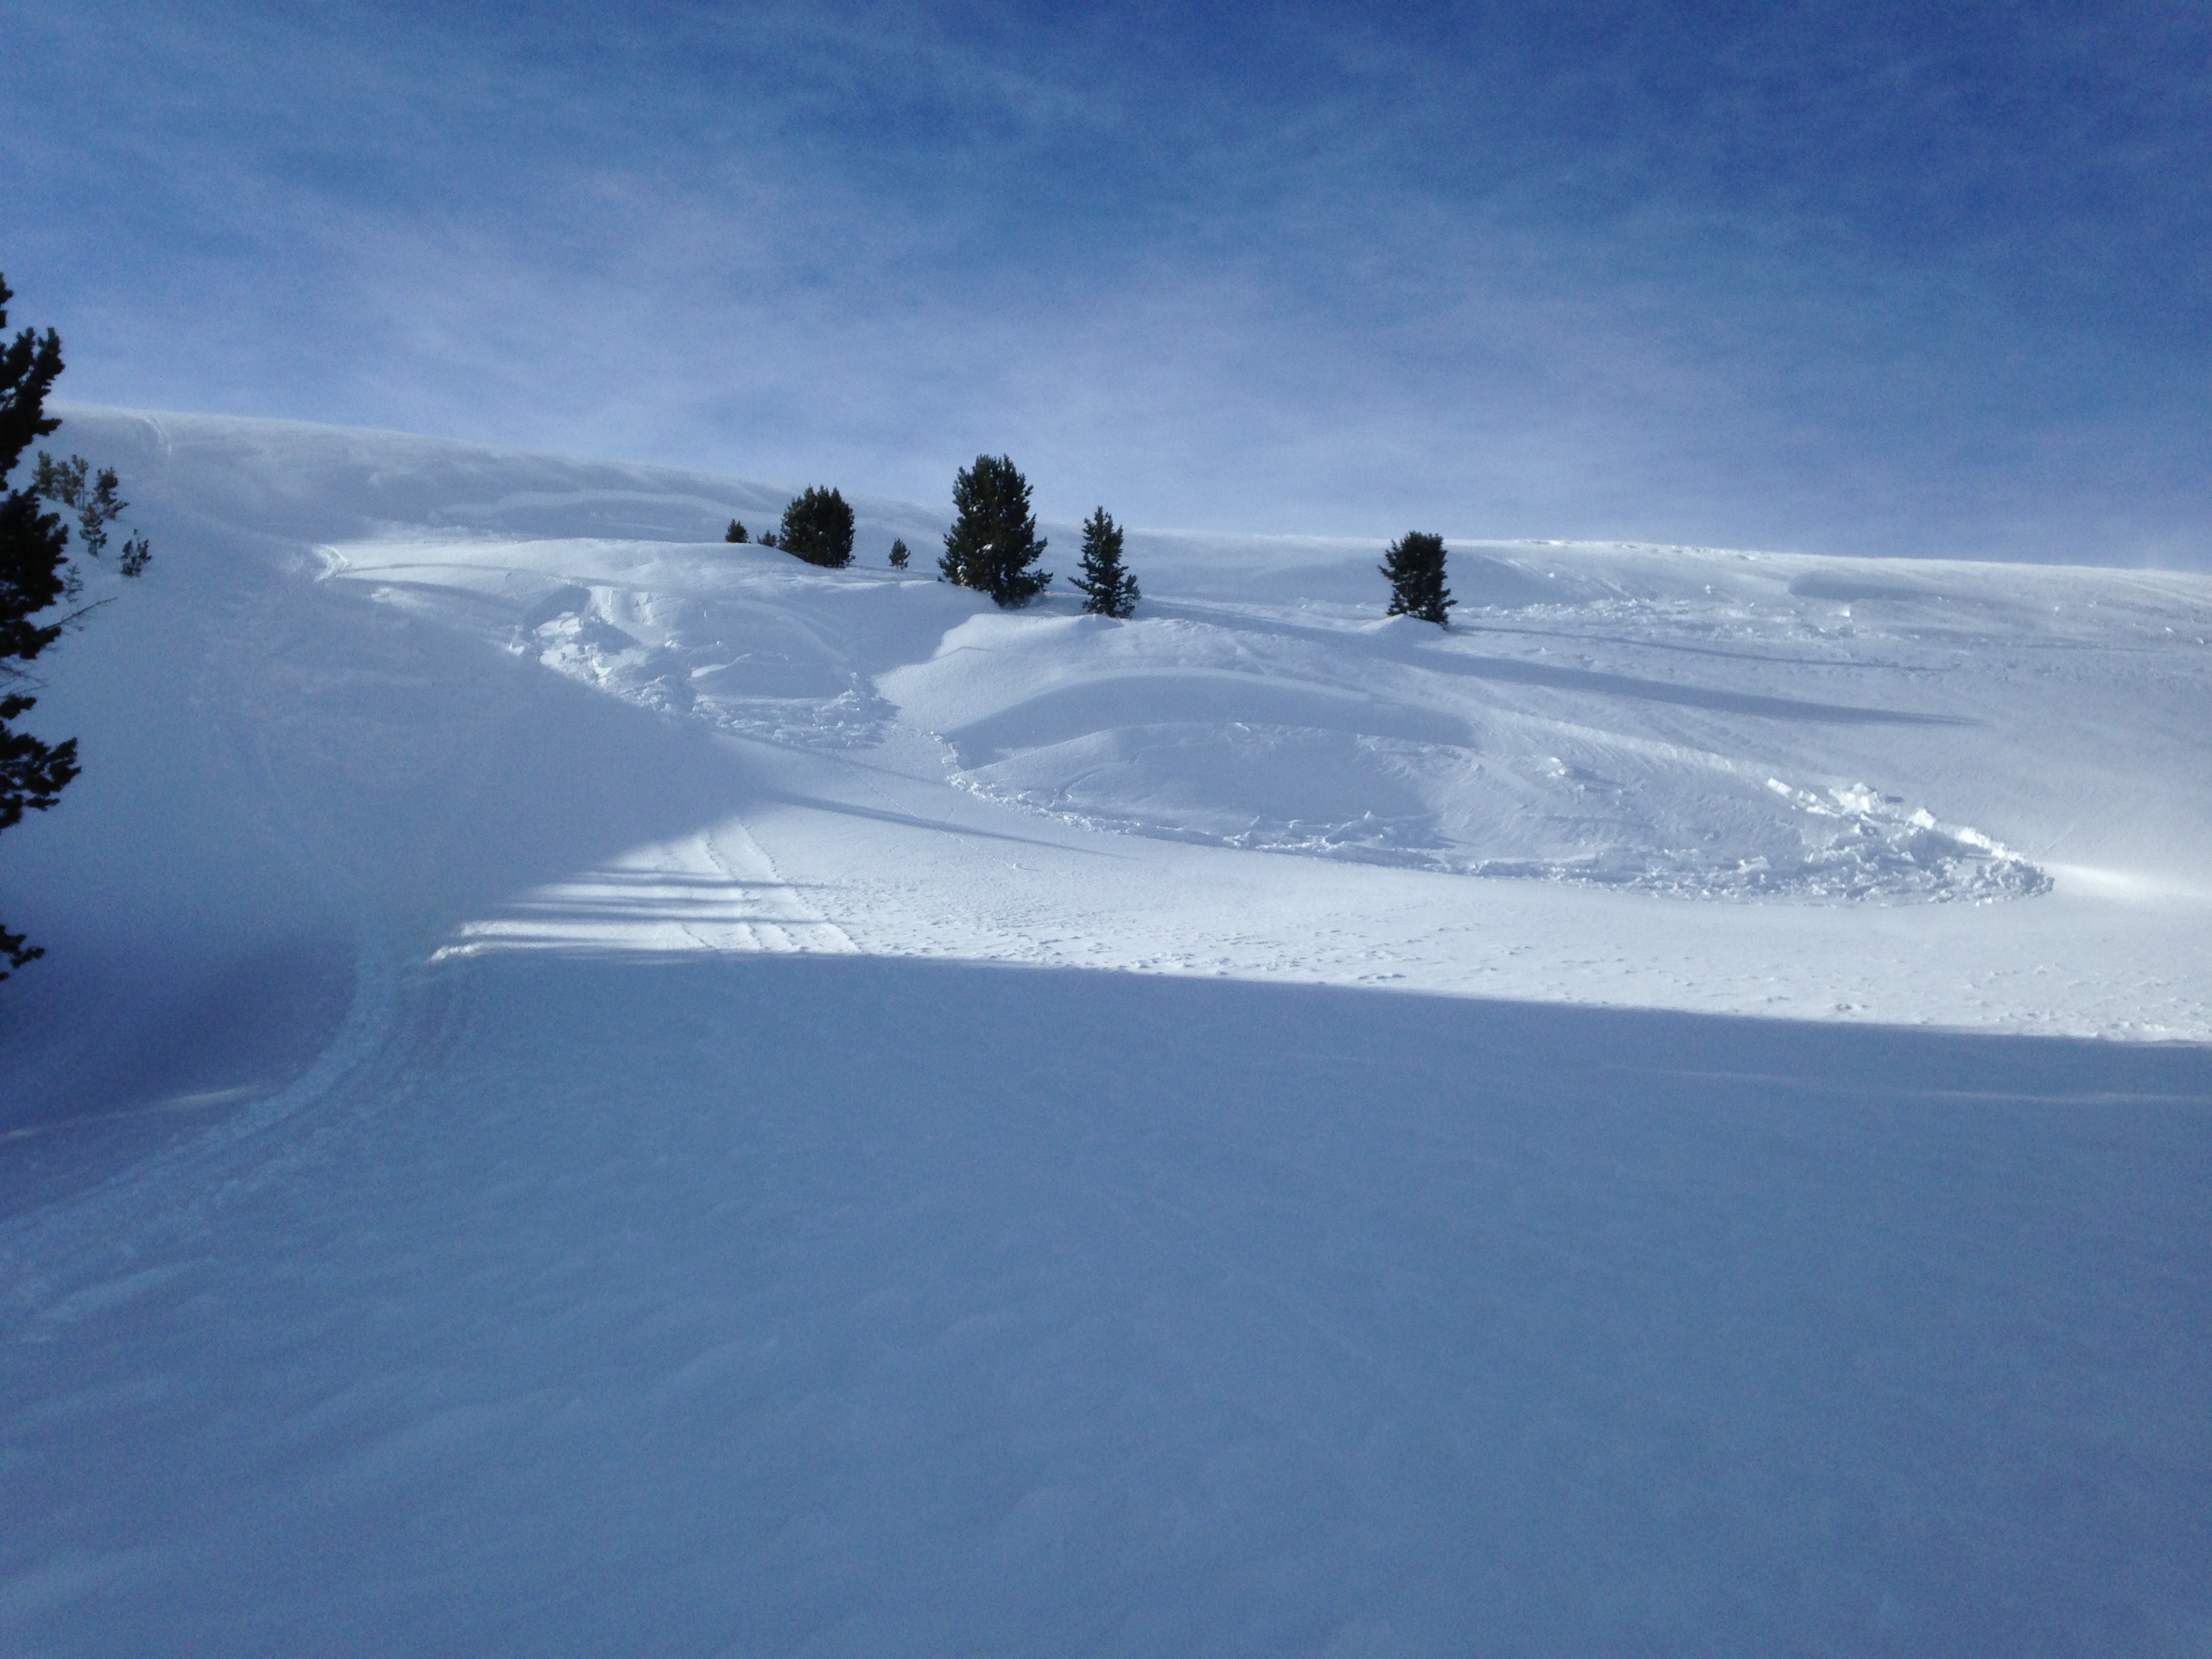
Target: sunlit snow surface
{"type": "Point", "coordinates": [1290, 724]}
{"type": "Point", "coordinates": [597, 1091]}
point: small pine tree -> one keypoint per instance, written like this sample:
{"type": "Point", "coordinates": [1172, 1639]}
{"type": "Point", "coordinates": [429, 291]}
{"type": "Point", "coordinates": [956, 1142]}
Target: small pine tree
{"type": "Point", "coordinates": [735, 532]}
{"type": "Point", "coordinates": [1415, 565]}
{"type": "Point", "coordinates": [767, 538]}
{"type": "Point", "coordinates": [899, 556]}
{"type": "Point", "coordinates": [1107, 589]}
{"type": "Point", "coordinates": [993, 539]}
{"type": "Point", "coordinates": [817, 527]}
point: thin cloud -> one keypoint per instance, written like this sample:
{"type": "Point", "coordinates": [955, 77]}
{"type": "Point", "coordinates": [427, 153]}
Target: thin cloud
{"type": "Point", "coordinates": [1840, 282]}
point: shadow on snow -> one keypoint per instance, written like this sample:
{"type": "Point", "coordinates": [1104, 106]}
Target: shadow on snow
{"type": "Point", "coordinates": [925, 1307]}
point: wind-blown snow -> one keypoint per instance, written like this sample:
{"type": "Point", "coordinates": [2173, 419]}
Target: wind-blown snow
{"type": "Point", "coordinates": [545, 1127]}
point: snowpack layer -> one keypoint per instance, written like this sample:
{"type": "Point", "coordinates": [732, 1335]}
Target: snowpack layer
{"type": "Point", "coordinates": [598, 1090]}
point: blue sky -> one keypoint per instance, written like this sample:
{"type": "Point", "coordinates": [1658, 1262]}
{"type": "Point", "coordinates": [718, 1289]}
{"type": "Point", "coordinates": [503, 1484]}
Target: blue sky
{"type": "Point", "coordinates": [1845, 277]}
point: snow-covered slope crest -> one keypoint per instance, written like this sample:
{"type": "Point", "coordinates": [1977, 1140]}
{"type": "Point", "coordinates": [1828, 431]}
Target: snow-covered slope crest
{"type": "Point", "coordinates": [1679, 721]}
{"type": "Point", "coordinates": [1684, 721]}
{"type": "Point", "coordinates": [488, 700]}
{"type": "Point", "coordinates": [1296, 728]}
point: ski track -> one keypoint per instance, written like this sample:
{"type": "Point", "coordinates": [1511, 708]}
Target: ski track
{"type": "Point", "coordinates": [715, 891]}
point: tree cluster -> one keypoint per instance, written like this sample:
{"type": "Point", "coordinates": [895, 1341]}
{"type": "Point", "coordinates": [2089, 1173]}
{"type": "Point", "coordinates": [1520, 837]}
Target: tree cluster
{"type": "Point", "coordinates": [36, 574]}
{"type": "Point", "coordinates": [991, 546]}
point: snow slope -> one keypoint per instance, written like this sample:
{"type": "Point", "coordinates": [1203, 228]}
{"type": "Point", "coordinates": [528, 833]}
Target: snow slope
{"type": "Point", "coordinates": [542, 1131]}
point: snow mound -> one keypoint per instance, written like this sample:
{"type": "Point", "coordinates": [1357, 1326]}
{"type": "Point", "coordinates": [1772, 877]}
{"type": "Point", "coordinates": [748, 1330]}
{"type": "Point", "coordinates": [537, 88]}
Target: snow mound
{"type": "Point", "coordinates": [1300, 727]}
{"type": "Point", "coordinates": [728, 635]}
{"type": "Point", "coordinates": [1396, 743]}
{"type": "Point", "coordinates": [1258, 726]}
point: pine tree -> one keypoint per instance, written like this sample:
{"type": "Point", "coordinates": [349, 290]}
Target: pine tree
{"type": "Point", "coordinates": [899, 556]}
{"type": "Point", "coordinates": [1107, 589]}
{"type": "Point", "coordinates": [35, 573]}
{"type": "Point", "coordinates": [735, 532]}
{"type": "Point", "coordinates": [993, 539]}
{"type": "Point", "coordinates": [817, 527]}
{"type": "Point", "coordinates": [1415, 566]}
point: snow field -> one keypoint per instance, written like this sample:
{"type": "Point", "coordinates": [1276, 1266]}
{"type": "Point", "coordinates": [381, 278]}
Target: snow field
{"type": "Point", "coordinates": [599, 1091]}
{"type": "Point", "coordinates": [849, 1304]}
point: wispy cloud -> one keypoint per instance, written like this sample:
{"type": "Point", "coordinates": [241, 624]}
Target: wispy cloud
{"type": "Point", "coordinates": [1842, 278]}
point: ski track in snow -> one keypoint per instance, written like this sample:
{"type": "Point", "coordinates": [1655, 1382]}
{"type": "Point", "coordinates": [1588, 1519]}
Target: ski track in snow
{"type": "Point", "coordinates": [544, 1127]}
{"type": "Point", "coordinates": [716, 890]}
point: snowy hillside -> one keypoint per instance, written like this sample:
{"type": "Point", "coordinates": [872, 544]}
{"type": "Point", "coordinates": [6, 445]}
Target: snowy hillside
{"type": "Point", "coordinates": [342, 660]}
{"type": "Point", "coordinates": [444, 1213]}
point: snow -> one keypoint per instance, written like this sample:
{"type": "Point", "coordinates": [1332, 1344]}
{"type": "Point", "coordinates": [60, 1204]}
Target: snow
{"type": "Point", "coordinates": [601, 1090]}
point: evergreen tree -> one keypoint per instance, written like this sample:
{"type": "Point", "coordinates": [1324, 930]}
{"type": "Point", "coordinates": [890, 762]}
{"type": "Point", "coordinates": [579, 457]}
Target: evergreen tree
{"type": "Point", "coordinates": [993, 539]}
{"type": "Point", "coordinates": [1415, 566]}
{"type": "Point", "coordinates": [1107, 589]}
{"type": "Point", "coordinates": [817, 527]}
{"type": "Point", "coordinates": [735, 532]}
{"type": "Point", "coordinates": [899, 556]}
{"type": "Point", "coordinates": [767, 538]}
{"type": "Point", "coordinates": [36, 573]}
